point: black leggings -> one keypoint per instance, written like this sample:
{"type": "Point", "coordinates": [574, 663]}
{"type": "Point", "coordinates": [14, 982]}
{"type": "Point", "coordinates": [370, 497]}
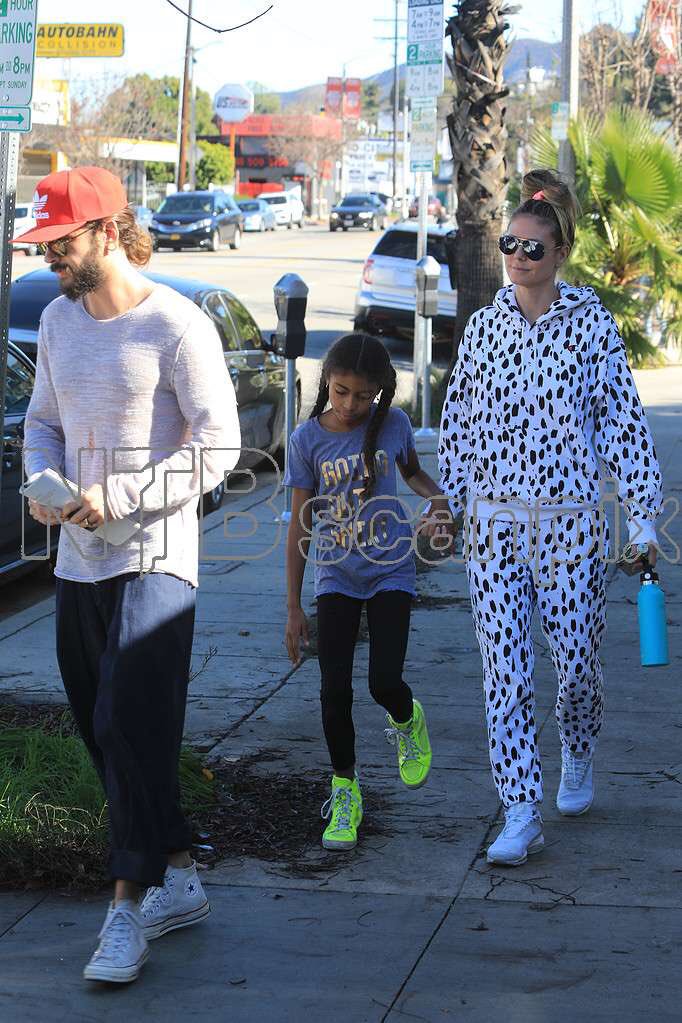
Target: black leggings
{"type": "Point", "coordinates": [338, 620]}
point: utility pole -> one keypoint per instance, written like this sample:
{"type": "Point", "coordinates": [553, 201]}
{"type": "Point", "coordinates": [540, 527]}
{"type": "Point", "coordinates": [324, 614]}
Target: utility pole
{"type": "Point", "coordinates": [570, 67]}
{"type": "Point", "coordinates": [192, 124]}
{"type": "Point", "coordinates": [396, 101]}
{"type": "Point", "coordinates": [184, 130]}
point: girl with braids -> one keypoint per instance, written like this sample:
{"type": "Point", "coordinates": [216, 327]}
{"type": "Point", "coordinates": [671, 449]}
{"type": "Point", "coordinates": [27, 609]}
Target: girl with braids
{"type": "Point", "coordinates": [342, 464]}
{"type": "Point", "coordinates": [541, 408]}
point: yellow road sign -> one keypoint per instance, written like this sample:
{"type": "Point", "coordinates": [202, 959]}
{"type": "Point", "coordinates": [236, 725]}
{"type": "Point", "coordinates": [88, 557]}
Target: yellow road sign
{"type": "Point", "coordinates": [80, 40]}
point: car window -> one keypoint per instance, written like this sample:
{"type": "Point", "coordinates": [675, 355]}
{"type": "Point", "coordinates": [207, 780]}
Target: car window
{"type": "Point", "coordinates": [249, 335]}
{"type": "Point", "coordinates": [214, 306]}
{"type": "Point", "coordinates": [187, 203]}
{"type": "Point", "coordinates": [21, 211]}
{"type": "Point", "coordinates": [356, 200]}
{"type": "Point", "coordinates": [18, 387]}
{"type": "Point", "coordinates": [276, 200]}
{"type": "Point", "coordinates": [403, 245]}
{"type": "Point", "coordinates": [250, 207]}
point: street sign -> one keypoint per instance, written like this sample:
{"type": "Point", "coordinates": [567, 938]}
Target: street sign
{"type": "Point", "coordinates": [560, 119]}
{"type": "Point", "coordinates": [425, 48]}
{"type": "Point", "coordinates": [233, 103]}
{"type": "Point", "coordinates": [17, 52]}
{"type": "Point", "coordinates": [15, 118]}
{"type": "Point", "coordinates": [423, 136]}
{"type": "Point", "coordinates": [77, 39]}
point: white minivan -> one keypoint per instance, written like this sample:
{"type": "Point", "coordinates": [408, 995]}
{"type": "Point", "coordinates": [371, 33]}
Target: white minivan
{"type": "Point", "coordinates": [287, 207]}
{"type": "Point", "coordinates": [385, 301]}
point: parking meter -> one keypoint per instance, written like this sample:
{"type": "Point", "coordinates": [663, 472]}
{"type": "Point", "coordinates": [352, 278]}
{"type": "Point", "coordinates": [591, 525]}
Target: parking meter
{"type": "Point", "coordinates": [291, 299]}
{"type": "Point", "coordinates": [428, 276]}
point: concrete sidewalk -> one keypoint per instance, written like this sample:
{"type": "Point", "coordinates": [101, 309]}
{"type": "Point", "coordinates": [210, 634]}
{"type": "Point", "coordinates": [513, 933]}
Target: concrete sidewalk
{"type": "Point", "coordinates": [414, 925]}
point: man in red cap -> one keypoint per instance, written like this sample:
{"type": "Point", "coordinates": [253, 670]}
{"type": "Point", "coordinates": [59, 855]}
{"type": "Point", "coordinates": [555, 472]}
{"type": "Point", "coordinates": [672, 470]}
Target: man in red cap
{"type": "Point", "coordinates": [134, 402]}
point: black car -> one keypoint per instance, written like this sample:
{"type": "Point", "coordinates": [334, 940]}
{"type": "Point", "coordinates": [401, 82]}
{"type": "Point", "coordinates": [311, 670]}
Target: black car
{"type": "Point", "coordinates": [198, 220]}
{"type": "Point", "coordinates": [17, 529]}
{"type": "Point", "coordinates": [360, 209]}
{"type": "Point", "coordinates": [257, 372]}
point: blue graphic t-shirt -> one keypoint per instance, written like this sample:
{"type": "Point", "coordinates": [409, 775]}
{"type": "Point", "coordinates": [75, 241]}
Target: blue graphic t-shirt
{"type": "Point", "coordinates": [360, 547]}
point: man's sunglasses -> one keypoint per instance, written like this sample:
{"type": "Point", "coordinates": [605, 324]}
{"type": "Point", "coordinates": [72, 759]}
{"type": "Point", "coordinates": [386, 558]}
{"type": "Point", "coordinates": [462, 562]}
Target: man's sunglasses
{"type": "Point", "coordinates": [509, 243]}
{"type": "Point", "coordinates": [60, 246]}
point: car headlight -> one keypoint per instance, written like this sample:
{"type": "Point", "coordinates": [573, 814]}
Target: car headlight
{"type": "Point", "coordinates": [206, 222]}
{"type": "Point", "coordinates": [363, 216]}
{"type": "Point", "coordinates": [335, 215]}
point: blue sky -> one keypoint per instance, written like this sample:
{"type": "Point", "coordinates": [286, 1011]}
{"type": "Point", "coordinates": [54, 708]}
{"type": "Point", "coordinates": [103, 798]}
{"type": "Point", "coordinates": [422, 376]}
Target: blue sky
{"type": "Point", "coordinates": [298, 43]}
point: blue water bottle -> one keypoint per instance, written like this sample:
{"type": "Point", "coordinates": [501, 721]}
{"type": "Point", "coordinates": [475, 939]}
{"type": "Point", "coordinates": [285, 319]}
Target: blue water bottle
{"type": "Point", "coordinates": [653, 634]}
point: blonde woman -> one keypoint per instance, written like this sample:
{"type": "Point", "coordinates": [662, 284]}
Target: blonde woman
{"type": "Point", "coordinates": [540, 409]}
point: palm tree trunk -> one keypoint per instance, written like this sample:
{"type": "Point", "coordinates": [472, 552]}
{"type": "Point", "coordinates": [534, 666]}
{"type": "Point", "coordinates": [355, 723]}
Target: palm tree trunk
{"type": "Point", "coordinates": [478, 137]}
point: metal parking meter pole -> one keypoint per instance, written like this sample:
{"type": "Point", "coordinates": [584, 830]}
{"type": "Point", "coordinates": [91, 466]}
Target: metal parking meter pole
{"type": "Point", "coordinates": [9, 160]}
{"type": "Point", "coordinates": [418, 324]}
{"type": "Point", "coordinates": [291, 299]}
{"type": "Point", "coordinates": [427, 279]}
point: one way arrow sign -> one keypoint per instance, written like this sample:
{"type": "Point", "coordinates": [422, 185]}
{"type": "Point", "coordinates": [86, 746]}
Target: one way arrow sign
{"type": "Point", "coordinates": [15, 118]}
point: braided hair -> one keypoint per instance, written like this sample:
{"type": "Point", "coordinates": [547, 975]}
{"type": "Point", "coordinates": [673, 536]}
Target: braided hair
{"type": "Point", "coordinates": [359, 353]}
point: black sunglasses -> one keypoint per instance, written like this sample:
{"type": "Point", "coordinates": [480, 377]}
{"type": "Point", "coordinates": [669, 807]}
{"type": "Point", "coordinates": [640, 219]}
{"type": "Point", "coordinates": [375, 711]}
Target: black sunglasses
{"type": "Point", "coordinates": [60, 246]}
{"type": "Point", "coordinates": [509, 243]}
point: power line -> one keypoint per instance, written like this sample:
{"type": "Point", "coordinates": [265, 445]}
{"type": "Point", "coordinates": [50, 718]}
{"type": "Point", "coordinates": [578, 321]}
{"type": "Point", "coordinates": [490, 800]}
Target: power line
{"type": "Point", "coordinates": [212, 28]}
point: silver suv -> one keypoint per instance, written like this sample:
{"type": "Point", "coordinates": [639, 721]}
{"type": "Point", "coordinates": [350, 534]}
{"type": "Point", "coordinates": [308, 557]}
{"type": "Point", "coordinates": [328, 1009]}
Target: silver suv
{"type": "Point", "coordinates": [385, 301]}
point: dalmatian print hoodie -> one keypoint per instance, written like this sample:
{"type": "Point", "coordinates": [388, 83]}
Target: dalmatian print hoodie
{"type": "Point", "coordinates": [538, 414]}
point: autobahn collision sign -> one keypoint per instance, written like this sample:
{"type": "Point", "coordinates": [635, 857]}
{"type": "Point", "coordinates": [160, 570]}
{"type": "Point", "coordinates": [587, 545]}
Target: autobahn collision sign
{"type": "Point", "coordinates": [17, 62]}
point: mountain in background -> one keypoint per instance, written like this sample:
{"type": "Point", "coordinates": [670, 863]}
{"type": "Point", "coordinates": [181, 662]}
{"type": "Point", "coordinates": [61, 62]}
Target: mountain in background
{"type": "Point", "coordinates": [534, 52]}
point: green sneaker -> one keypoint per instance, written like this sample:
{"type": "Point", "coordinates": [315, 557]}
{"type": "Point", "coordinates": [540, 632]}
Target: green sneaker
{"type": "Point", "coordinates": [413, 746]}
{"type": "Point", "coordinates": [344, 806]}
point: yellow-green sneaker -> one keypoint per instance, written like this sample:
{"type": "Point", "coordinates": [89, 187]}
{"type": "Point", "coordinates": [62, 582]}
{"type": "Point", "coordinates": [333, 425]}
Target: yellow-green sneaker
{"type": "Point", "coordinates": [344, 806]}
{"type": "Point", "coordinates": [412, 743]}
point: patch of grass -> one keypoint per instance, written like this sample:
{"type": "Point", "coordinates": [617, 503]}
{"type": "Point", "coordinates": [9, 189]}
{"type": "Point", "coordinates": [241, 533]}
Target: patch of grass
{"type": "Point", "coordinates": [53, 817]}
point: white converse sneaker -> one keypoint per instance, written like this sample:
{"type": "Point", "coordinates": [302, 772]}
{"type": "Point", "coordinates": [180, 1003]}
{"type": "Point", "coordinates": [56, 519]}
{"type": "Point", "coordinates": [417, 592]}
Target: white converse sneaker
{"type": "Point", "coordinates": [179, 903]}
{"type": "Point", "coordinates": [521, 835]}
{"type": "Point", "coordinates": [122, 948]}
{"type": "Point", "coordinates": [576, 790]}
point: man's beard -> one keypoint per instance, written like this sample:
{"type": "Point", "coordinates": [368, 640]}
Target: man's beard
{"type": "Point", "coordinates": [88, 277]}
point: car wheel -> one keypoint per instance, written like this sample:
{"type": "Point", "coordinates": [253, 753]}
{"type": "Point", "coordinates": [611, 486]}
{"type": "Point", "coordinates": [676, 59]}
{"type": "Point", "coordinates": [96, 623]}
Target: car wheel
{"type": "Point", "coordinates": [237, 240]}
{"type": "Point", "coordinates": [215, 242]}
{"type": "Point", "coordinates": [300, 224]}
{"type": "Point", "coordinates": [344, 228]}
{"type": "Point", "coordinates": [290, 225]}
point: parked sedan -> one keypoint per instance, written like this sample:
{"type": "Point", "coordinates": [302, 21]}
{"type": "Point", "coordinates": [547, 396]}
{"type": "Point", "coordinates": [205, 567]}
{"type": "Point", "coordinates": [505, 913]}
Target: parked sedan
{"type": "Point", "coordinates": [256, 370]}
{"type": "Point", "coordinates": [359, 210]}
{"type": "Point", "coordinates": [258, 215]}
{"type": "Point", "coordinates": [17, 529]}
{"type": "Point", "coordinates": [199, 220]}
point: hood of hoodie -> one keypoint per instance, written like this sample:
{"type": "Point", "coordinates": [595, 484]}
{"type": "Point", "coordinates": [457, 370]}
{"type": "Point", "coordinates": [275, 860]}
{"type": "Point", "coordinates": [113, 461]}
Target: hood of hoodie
{"type": "Point", "coordinates": [570, 298]}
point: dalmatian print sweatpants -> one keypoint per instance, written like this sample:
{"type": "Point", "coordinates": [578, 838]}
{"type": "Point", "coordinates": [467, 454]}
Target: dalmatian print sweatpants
{"type": "Point", "coordinates": [557, 566]}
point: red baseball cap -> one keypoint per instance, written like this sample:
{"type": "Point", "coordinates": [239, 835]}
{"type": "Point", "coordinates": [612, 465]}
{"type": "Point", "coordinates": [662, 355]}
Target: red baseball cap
{"type": "Point", "coordinates": [67, 200]}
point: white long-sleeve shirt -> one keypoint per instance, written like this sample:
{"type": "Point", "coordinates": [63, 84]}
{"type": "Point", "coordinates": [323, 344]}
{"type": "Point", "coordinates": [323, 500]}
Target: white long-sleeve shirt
{"type": "Point", "coordinates": [538, 415]}
{"type": "Point", "coordinates": [143, 405]}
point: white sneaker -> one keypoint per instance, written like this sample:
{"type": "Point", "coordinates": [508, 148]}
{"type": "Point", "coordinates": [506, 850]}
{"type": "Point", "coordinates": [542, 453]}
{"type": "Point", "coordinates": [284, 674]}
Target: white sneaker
{"type": "Point", "coordinates": [521, 835]}
{"type": "Point", "coordinates": [576, 790]}
{"type": "Point", "coordinates": [122, 949]}
{"type": "Point", "coordinates": [181, 902]}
